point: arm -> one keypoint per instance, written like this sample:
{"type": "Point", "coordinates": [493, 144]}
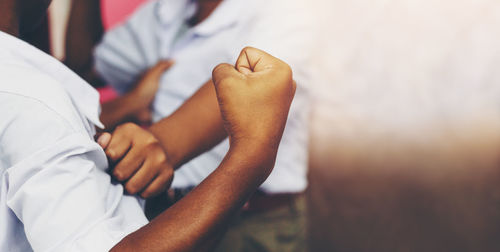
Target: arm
{"type": "Point", "coordinates": [254, 100]}
{"type": "Point", "coordinates": [117, 59]}
{"type": "Point", "coordinates": [194, 128]}
{"type": "Point", "coordinates": [84, 31]}
{"type": "Point", "coordinates": [201, 216]}
{"type": "Point", "coordinates": [135, 105]}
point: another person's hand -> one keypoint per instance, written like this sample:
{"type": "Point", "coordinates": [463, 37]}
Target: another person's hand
{"type": "Point", "coordinates": [135, 106]}
{"type": "Point", "coordinates": [140, 162]}
{"type": "Point", "coordinates": [255, 97]}
{"type": "Point", "coordinates": [145, 91]}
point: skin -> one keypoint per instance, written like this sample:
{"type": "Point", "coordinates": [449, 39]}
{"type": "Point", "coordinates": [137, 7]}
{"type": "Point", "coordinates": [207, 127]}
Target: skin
{"type": "Point", "coordinates": [254, 98]}
{"type": "Point", "coordinates": [135, 106]}
{"type": "Point", "coordinates": [85, 30]}
{"type": "Point", "coordinates": [172, 142]}
{"type": "Point", "coordinates": [79, 45]}
{"type": "Point", "coordinates": [180, 136]}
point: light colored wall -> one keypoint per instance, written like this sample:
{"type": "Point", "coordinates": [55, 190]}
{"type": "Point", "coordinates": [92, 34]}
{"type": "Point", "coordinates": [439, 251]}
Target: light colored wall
{"type": "Point", "coordinates": [406, 129]}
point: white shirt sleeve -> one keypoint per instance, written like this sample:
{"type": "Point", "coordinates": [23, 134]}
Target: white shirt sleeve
{"type": "Point", "coordinates": [129, 49]}
{"type": "Point", "coordinates": [58, 187]}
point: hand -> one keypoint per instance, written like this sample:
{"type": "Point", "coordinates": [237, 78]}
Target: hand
{"type": "Point", "coordinates": [141, 163]}
{"type": "Point", "coordinates": [145, 91]}
{"type": "Point", "coordinates": [255, 97]}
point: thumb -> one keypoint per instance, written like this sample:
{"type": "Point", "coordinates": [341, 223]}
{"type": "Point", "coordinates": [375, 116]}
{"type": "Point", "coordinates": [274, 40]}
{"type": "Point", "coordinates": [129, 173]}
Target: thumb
{"type": "Point", "coordinates": [224, 72]}
{"type": "Point", "coordinates": [104, 140]}
{"type": "Point", "coordinates": [255, 60]}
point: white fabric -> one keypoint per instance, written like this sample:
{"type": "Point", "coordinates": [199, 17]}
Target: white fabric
{"type": "Point", "coordinates": [279, 27]}
{"type": "Point", "coordinates": [54, 192]}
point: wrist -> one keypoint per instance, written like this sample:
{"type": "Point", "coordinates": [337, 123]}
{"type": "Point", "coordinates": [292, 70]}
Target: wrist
{"type": "Point", "coordinates": [132, 103]}
{"type": "Point", "coordinates": [252, 162]}
{"type": "Point", "coordinates": [252, 149]}
{"type": "Point", "coordinates": [172, 157]}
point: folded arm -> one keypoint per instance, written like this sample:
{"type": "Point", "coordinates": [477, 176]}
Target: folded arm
{"type": "Point", "coordinates": [194, 128]}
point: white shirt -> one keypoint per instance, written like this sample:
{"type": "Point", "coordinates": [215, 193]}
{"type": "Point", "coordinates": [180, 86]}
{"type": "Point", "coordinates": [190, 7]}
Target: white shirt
{"type": "Point", "coordinates": [54, 192]}
{"type": "Point", "coordinates": [128, 50]}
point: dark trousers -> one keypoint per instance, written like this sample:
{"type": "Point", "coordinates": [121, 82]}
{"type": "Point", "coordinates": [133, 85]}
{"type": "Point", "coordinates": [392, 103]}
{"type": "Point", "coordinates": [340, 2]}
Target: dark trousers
{"type": "Point", "coordinates": [281, 229]}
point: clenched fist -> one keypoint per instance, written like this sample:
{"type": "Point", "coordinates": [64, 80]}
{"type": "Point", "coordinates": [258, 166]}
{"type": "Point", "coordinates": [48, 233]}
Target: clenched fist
{"type": "Point", "coordinates": [254, 97]}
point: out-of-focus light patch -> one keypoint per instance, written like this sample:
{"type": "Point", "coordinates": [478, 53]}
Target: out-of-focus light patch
{"type": "Point", "coordinates": [58, 20]}
{"type": "Point", "coordinates": [115, 11]}
{"type": "Point", "coordinates": [408, 67]}
{"type": "Point", "coordinates": [406, 126]}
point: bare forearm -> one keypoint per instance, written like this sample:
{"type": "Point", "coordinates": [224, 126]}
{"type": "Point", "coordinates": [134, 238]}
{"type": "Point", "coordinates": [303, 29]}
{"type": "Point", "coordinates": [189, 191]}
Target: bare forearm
{"type": "Point", "coordinates": [117, 111]}
{"type": "Point", "coordinates": [84, 31]}
{"type": "Point", "coordinates": [193, 129]}
{"type": "Point", "coordinates": [195, 221]}
{"type": "Point", "coordinates": [255, 97]}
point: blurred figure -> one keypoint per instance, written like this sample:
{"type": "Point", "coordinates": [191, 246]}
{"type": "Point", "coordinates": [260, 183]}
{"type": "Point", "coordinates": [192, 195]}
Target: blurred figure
{"type": "Point", "coordinates": [39, 36]}
{"type": "Point", "coordinates": [406, 133]}
{"type": "Point", "coordinates": [165, 52]}
{"type": "Point", "coordinates": [58, 15]}
{"type": "Point", "coordinates": [55, 190]}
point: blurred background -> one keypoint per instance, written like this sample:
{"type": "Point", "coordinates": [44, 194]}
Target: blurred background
{"type": "Point", "coordinates": [404, 145]}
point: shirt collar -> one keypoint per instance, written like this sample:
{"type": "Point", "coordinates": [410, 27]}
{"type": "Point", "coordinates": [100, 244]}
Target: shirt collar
{"type": "Point", "coordinates": [85, 98]}
{"type": "Point", "coordinates": [225, 15]}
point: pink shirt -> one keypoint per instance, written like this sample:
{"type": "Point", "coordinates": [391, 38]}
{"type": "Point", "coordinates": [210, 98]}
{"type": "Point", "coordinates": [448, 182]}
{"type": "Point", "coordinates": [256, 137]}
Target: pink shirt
{"type": "Point", "coordinates": [115, 11]}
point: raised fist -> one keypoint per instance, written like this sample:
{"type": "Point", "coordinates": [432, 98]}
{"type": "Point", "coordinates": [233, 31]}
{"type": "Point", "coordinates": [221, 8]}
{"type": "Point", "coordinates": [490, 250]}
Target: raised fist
{"type": "Point", "coordinates": [254, 97]}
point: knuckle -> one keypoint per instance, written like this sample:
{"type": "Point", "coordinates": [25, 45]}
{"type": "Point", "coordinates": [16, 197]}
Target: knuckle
{"type": "Point", "coordinates": [152, 141]}
{"type": "Point", "coordinates": [118, 175]}
{"type": "Point", "coordinates": [219, 68]}
{"type": "Point", "coordinates": [248, 49]}
{"type": "Point", "coordinates": [285, 69]}
{"type": "Point", "coordinates": [161, 158]}
{"type": "Point", "coordinates": [153, 148]}
{"type": "Point", "coordinates": [146, 194]}
{"type": "Point", "coordinates": [111, 154]}
{"type": "Point", "coordinates": [127, 126]}
{"type": "Point", "coordinates": [131, 188]}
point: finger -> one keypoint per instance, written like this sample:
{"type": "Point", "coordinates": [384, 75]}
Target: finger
{"type": "Point", "coordinates": [165, 65]}
{"type": "Point", "coordinates": [118, 146]}
{"type": "Point", "coordinates": [255, 60]}
{"type": "Point", "coordinates": [143, 177]}
{"type": "Point", "coordinates": [159, 185]}
{"type": "Point", "coordinates": [128, 165]}
{"type": "Point", "coordinates": [161, 67]}
{"type": "Point", "coordinates": [104, 140]}
{"type": "Point", "coordinates": [224, 72]}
